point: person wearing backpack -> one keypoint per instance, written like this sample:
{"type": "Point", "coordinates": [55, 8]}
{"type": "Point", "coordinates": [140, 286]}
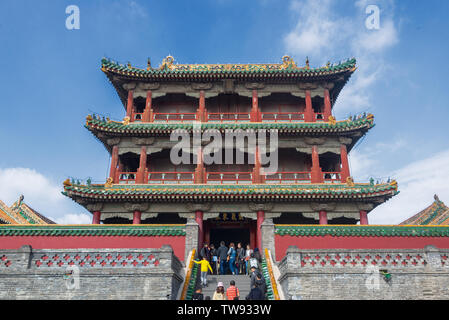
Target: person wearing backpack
{"type": "Point", "coordinates": [232, 254]}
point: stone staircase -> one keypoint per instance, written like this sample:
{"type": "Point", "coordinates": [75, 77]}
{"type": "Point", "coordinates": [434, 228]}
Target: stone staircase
{"type": "Point", "coordinates": [242, 282]}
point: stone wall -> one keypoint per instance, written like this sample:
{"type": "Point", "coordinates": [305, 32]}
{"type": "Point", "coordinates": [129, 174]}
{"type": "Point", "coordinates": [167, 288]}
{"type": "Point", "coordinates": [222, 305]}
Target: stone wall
{"type": "Point", "coordinates": [359, 274]}
{"type": "Point", "coordinates": [104, 274]}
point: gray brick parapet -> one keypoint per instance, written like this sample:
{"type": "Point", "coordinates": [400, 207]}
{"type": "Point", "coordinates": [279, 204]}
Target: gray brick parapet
{"type": "Point", "coordinates": [363, 274]}
{"type": "Point", "coordinates": [90, 274]}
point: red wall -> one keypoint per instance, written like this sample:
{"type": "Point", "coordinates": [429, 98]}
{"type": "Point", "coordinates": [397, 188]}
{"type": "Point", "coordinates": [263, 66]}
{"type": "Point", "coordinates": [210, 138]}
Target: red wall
{"type": "Point", "coordinates": [330, 242]}
{"type": "Point", "coordinates": [95, 242]}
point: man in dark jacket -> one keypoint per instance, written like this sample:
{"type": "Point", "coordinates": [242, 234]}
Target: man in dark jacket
{"type": "Point", "coordinates": [256, 293]}
{"type": "Point", "coordinates": [198, 295]}
{"type": "Point", "coordinates": [260, 283]}
{"type": "Point", "coordinates": [254, 275]}
{"type": "Point", "coordinates": [222, 254]}
{"type": "Point", "coordinates": [205, 252]}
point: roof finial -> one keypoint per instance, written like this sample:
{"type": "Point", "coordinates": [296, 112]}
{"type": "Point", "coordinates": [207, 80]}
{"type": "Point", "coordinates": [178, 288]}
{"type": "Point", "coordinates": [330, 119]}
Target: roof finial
{"type": "Point", "coordinates": [20, 200]}
{"type": "Point", "coordinates": [148, 64]}
{"type": "Point", "coordinates": [307, 63]}
{"type": "Point", "coordinates": [437, 199]}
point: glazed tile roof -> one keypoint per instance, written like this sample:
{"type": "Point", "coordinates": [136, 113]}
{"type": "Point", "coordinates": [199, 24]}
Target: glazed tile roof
{"type": "Point", "coordinates": [361, 231]}
{"type": "Point", "coordinates": [93, 230]}
{"type": "Point", "coordinates": [96, 124]}
{"type": "Point", "coordinates": [436, 214]}
{"type": "Point", "coordinates": [185, 193]}
{"type": "Point", "coordinates": [21, 213]}
{"type": "Point", "coordinates": [169, 70]}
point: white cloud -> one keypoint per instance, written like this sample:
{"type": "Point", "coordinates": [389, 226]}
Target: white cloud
{"type": "Point", "coordinates": [40, 193]}
{"type": "Point", "coordinates": [322, 33]}
{"type": "Point", "coordinates": [418, 182]}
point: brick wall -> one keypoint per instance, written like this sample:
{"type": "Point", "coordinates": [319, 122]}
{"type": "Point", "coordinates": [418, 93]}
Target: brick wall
{"type": "Point", "coordinates": [29, 273]}
{"type": "Point", "coordinates": [355, 274]}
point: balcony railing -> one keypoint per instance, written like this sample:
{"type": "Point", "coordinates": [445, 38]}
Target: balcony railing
{"type": "Point", "coordinates": [170, 178]}
{"type": "Point", "coordinates": [127, 178]}
{"type": "Point", "coordinates": [180, 117]}
{"type": "Point", "coordinates": [282, 116]}
{"type": "Point", "coordinates": [288, 178]}
{"type": "Point", "coordinates": [319, 117]}
{"type": "Point", "coordinates": [332, 177]}
{"type": "Point", "coordinates": [229, 178]}
{"type": "Point", "coordinates": [228, 117]}
{"type": "Point", "coordinates": [137, 116]}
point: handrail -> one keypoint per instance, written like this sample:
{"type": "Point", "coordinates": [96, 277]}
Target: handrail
{"type": "Point", "coordinates": [283, 176]}
{"type": "Point", "coordinates": [319, 116]}
{"type": "Point", "coordinates": [272, 279]}
{"type": "Point", "coordinates": [174, 116]}
{"type": "Point", "coordinates": [222, 176]}
{"type": "Point", "coordinates": [332, 176]}
{"type": "Point", "coordinates": [228, 116]}
{"type": "Point", "coordinates": [188, 275]}
{"type": "Point", "coordinates": [280, 116]}
{"type": "Point", "coordinates": [127, 177]}
{"type": "Point", "coordinates": [177, 177]}
{"type": "Point", "coordinates": [137, 116]}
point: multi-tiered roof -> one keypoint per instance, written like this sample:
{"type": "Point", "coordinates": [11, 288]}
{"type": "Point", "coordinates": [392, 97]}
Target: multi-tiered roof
{"type": "Point", "coordinates": [250, 79]}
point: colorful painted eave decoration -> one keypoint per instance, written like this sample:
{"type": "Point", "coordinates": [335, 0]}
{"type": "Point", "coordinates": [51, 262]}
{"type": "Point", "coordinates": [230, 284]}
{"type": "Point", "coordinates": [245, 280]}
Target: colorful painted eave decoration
{"type": "Point", "coordinates": [94, 123]}
{"type": "Point", "coordinates": [361, 231]}
{"type": "Point", "coordinates": [168, 69]}
{"type": "Point", "coordinates": [93, 230]}
{"type": "Point", "coordinates": [182, 193]}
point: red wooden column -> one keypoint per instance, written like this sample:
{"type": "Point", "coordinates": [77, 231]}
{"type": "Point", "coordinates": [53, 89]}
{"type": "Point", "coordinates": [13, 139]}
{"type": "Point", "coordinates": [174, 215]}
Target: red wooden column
{"type": "Point", "coordinates": [327, 105]}
{"type": "Point", "coordinates": [309, 115]}
{"type": "Point", "coordinates": [255, 115]}
{"type": "Point", "coordinates": [257, 177]}
{"type": "Point", "coordinates": [140, 177]}
{"type": "Point", "coordinates": [199, 220]}
{"type": "Point", "coordinates": [148, 111]}
{"type": "Point", "coordinates": [96, 217]}
{"type": "Point", "coordinates": [201, 112]}
{"type": "Point", "coordinates": [323, 217]}
{"type": "Point", "coordinates": [260, 220]}
{"type": "Point", "coordinates": [130, 105]}
{"type": "Point", "coordinates": [114, 164]}
{"type": "Point", "coordinates": [137, 217]}
{"type": "Point", "coordinates": [316, 172]}
{"type": "Point", "coordinates": [344, 163]}
{"type": "Point", "coordinates": [200, 171]}
{"type": "Point", "coordinates": [363, 218]}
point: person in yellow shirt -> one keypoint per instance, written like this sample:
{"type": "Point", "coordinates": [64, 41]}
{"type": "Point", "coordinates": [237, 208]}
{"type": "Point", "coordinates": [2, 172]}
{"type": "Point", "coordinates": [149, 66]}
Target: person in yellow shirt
{"type": "Point", "coordinates": [205, 266]}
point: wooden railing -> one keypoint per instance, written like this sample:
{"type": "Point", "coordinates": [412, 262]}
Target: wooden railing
{"type": "Point", "coordinates": [332, 176]}
{"type": "Point", "coordinates": [319, 117]}
{"type": "Point", "coordinates": [170, 177]}
{"type": "Point", "coordinates": [167, 117]}
{"type": "Point", "coordinates": [231, 117]}
{"type": "Point", "coordinates": [282, 116]}
{"type": "Point", "coordinates": [229, 178]}
{"type": "Point", "coordinates": [288, 177]}
{"type": "Point", "coordinates": [137, 117]}
{"type": "Point", "coordinates": [127, 177]}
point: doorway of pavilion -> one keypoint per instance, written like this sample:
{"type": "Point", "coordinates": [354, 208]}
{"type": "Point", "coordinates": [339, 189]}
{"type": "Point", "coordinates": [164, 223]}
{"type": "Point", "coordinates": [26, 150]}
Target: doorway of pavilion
{"type": "Point", "coordinates": [230, 227]}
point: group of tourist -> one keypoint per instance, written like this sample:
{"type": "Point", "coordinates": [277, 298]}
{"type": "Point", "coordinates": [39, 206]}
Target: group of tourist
{"type": "Point", "coordinates": [236, 261]}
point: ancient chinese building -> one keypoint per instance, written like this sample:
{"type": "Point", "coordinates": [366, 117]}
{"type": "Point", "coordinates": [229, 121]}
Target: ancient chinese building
{"type": "Point", "coordinates": [313, 183]}
{"type": "Point", "coordinates": [435, 214]}
{"type": "Point", "coordinates": [20, 213]}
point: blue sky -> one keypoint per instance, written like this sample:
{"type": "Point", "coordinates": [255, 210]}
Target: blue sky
{"type": "Point", "coordinates": [50, 80]}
